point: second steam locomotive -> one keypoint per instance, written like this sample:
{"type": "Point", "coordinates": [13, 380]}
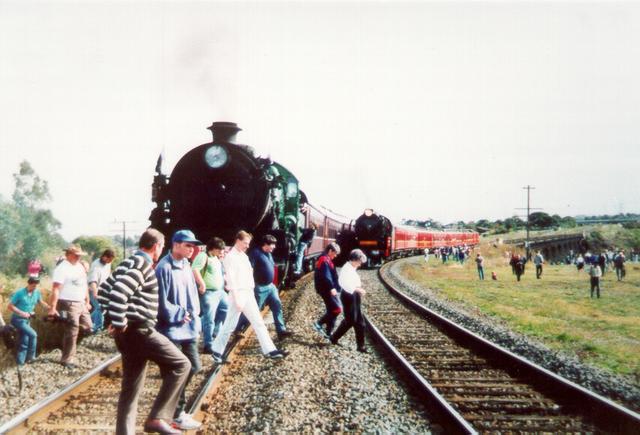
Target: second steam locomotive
{"type": "Point", "coordinates": [221, 187]}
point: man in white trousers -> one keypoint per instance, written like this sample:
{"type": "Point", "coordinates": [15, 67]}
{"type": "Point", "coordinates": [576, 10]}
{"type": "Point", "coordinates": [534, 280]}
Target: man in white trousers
{"type": "Point", "coordinates": [240, 284]}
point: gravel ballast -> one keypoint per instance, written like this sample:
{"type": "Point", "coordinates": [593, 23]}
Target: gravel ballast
{"type": "Point", "coordinates": [318, 387]}
{"type": "Point", "coordinates": [46, 376]}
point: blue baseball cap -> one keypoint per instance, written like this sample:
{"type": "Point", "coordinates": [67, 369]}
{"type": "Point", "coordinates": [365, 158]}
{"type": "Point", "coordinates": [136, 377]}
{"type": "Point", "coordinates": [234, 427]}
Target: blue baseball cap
{"type": "Point", "coordinates": [182, 236]}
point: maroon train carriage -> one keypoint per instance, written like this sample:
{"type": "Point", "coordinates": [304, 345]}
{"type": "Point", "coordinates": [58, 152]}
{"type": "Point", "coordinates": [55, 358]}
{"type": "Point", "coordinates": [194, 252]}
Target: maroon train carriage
{"type": "Point", "coordinates": [380, 240]}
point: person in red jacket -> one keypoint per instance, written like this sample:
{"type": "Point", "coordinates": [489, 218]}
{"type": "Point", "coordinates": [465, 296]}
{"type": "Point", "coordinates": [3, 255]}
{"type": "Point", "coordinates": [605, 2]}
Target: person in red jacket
{"type": "Point", "coordinates": [326, 282]}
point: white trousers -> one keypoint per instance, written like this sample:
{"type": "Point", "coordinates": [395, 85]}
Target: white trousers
{"type": "Point", "coordinates": [249, 307]}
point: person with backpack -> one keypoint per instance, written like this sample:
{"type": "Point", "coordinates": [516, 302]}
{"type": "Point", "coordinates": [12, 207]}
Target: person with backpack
{"type": "Point", "coordinates": [214, 301]}
{"type": "Point", "coordinates": [22, 304]}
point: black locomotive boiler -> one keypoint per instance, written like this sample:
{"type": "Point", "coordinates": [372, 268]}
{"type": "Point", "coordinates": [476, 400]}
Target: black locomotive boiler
{"type": "Point", "coordinates": [373, 232]}
{"type": "Point", "coordinates": [221, 187]}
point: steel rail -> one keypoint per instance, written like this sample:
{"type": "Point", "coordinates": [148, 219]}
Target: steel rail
{"type": "Point", "coordinates": [604, 412]}
{"type": "Point", "coordinates": [22, 420]}
{"type": "Point", "coordinates": [451, 419]}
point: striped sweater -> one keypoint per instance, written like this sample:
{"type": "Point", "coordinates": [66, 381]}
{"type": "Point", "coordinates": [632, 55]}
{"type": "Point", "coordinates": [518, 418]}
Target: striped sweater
{"type": "Point", "coordinates": [130, 294]}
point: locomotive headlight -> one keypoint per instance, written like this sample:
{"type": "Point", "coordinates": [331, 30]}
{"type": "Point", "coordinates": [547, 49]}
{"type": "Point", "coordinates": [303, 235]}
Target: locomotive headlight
{"type": "Point", "coordinates": [216, 156]}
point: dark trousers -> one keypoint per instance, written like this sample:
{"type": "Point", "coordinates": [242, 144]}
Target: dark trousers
{"type": "Point", "coordinates": [333, 310]}
{"type": "Point", "coordinates": [137, 346]}
{"type": "Point", "coordinates": [595, 285]}
{"type": "Point", "coordinates": [190, 349]}
{"type": "Point", "coordinates": [352, 318]}
{"type": "Point", "coordinates": [538, 270]}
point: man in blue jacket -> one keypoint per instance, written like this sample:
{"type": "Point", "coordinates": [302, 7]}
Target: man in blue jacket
{"type": "Point", "coordinates": [326, 282]}
{"type": "Point", "coordinates": [179, 310]}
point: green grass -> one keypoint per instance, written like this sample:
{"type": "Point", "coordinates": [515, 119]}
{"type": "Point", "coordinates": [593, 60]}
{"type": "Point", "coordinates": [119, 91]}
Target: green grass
{"type": "Point", "coordinates": [557, 309]}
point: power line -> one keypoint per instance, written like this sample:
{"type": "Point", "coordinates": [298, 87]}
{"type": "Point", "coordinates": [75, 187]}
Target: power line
{"type": "Point", "coordinates": [528, 188]}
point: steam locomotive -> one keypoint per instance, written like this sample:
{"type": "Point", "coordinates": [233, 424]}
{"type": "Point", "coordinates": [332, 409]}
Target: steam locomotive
{"type": "Point", "coordinates": [221, 187]}
{"type": "Point", "coordinates": [380, 240]}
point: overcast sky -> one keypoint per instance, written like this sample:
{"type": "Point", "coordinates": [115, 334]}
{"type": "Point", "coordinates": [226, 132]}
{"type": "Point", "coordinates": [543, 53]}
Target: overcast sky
{"type": "Point", "coordinates": [424, 109]}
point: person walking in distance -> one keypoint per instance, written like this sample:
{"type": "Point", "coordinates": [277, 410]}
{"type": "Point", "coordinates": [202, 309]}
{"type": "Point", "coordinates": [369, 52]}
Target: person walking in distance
{"type": "Point", "coordinates": [520, 267]}
{"type": "Point", "coordinates": [130, 302]}
{"type": "Point", "coordinates": [98, 273]}
{"type": "Point", "coordinates": [214, 303]}
{"type": "Point", "coordinates": [538, 260]}
{"type": "Point", "coordinates": [326, 282]}
{"type": "Point", "coordinates": [351, 296]}
{"type": "Point", "coordinates": [595, 273]}
{"type": "Point", "coordinates": [70, 300]}
{"type": "Point", "coordinates": [618, 262]}
{"type": "Point", "coordinates": [240, 283]}
{"type": "Point", "coordinates": [179, 311]}
{"type": "Point", "coordinates": [480, 265]}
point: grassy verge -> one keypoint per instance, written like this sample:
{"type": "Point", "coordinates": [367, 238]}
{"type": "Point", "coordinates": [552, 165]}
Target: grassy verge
{"type": "Point", "coordinates": [556, 309]}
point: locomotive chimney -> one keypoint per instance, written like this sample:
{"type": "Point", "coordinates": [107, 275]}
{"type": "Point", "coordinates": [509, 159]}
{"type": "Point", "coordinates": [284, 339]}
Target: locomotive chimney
{"type": "Point", "coordinates": [224, 131]}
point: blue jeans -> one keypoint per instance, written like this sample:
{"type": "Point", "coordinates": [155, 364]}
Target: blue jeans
{"type": "Point", "coordinates": [27, 340]}
{"type": "Point", "coordinates": [214, 305]}
{"type": "Point", "coordinates": [96, 314]}
{"type": "Point", "coordinates": [267, 294]}
{"type": "Point", "coordinates": [481, 272]}
{"type": "Point", "coordinates": [300, 256]}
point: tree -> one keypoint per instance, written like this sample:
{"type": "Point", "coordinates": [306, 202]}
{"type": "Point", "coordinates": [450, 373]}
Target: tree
{"type": "Point", "coordinates": [28, 228]}
{"type": "Point", "coordinates": [94, 245]}
{"type": "Point", "coordinates": [568, 222]}
{"type": "Point", "coordinates": [541, 220]}
{"type": "Point", "coordinates": [514, 223]}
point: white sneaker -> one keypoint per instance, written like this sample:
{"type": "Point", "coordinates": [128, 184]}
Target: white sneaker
{"type": "Point", "coordinates": [186, 422]}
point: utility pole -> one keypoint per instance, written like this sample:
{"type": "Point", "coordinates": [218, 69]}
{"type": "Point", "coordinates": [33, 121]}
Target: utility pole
{"type": "Point", "coordinates": [124, 235]}
{"type": "Point", "coordinates": [528, 188]}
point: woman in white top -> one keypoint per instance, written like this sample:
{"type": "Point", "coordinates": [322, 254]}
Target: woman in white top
{"type": "Point", "coordinates": [351, 295]}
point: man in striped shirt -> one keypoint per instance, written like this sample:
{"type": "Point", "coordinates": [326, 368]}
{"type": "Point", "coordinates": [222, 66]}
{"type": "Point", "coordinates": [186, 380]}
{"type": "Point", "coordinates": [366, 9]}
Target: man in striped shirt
{"type": "Point", "coordinates": [130, 299]}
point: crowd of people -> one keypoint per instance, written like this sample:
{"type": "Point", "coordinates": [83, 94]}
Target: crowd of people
{"type": "Point", "coordinates": [156, 308]}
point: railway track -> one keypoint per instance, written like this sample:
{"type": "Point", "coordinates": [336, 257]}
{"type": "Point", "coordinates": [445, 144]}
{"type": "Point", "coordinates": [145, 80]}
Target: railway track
{"type": "Point", "coordinates": [475, 386]}
{"type": "Point", "coordinates": [88, 406]}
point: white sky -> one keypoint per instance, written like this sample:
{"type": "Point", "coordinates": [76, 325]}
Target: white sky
{"type": "Point", "coordinates": [422, 109]}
